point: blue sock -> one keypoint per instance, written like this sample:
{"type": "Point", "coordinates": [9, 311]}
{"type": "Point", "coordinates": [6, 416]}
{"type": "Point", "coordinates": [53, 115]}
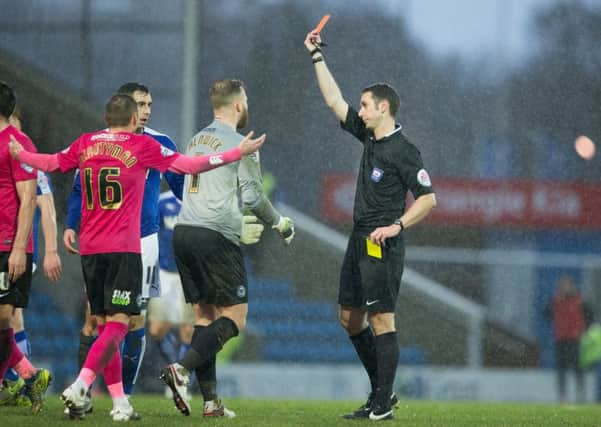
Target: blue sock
{"type": "Point", "coordinates": [23, 344]}
{"type": "Point", "coordinates": [132, 354]}
{"type": "Point", "coordinates": [11, 375]}
{"type": "Point", "coordinates": [168, 347]}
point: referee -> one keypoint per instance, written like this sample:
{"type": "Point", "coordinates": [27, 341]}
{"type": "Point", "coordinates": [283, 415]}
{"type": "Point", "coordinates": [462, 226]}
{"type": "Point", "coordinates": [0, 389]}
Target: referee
{"type": "Point", "coordinates": [373, 263]}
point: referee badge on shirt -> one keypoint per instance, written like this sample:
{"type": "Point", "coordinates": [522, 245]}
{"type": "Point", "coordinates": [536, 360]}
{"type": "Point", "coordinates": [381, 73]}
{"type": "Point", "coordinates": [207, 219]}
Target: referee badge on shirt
{"type": "Point", "coordinates": [377, 174]}
{"type": "Point", "coordinates": [423, 178]}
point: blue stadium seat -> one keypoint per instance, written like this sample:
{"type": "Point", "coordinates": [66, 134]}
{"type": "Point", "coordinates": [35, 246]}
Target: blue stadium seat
{"type": "Point", "coordinates": [412, 355]}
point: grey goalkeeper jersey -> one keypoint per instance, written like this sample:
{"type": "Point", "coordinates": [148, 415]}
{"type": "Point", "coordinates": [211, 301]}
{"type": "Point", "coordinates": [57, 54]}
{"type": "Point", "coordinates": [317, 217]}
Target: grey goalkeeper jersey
{"type": "Point", "coordinates": [210, 199]}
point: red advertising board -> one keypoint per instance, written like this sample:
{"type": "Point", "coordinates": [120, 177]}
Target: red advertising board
{"type": "Point", "coordinates": [529, 204]}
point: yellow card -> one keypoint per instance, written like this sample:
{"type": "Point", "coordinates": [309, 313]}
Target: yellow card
{"type": "Point", "coordinates": [373, 249]}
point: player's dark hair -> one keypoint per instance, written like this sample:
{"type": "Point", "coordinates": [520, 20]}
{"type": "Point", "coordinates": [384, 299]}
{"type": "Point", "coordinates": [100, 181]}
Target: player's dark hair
{"type": "Point", "coordinates": [381, 91]}
{"type": "Point", "coordinates": [8, 100]}
{"type": "Point", "coordinates": [222, 92]}
{"type": "Point", "coordinates": [131, 87]}
{"type": "Point", "coordinates": [119, 110]}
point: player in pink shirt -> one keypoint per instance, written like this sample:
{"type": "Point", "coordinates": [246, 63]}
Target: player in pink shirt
{"type": "Point", "coordinates": [18, 194]}
{"type": "Point", "coordinates": [113, 167]}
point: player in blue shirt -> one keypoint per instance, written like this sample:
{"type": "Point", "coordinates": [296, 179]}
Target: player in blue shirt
{"type": "Point", "coordinates": [135, 341]}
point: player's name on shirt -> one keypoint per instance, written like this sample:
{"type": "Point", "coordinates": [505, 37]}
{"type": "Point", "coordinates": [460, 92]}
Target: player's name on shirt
{"type": "Point", "coordinates": [108, 147]}
{"type": "Point", "coordinates": [210, 141]}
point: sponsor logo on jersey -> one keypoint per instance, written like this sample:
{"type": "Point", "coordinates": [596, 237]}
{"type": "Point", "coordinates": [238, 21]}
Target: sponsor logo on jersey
{"type": "Point", "coordinates": [423, 178]}
{"type": "Point", "coordinates": [215, 160]}
{"type": "Point", "coordinates": [377, 174]}
{"type": "Point", "coordinates": [121, 297]}
{"type": "Point", "coordinates": [107, 136]}
{"type": "Point", "coordinates": [27, 168]}
{"type": "Point", "coordinates": [166, 152]}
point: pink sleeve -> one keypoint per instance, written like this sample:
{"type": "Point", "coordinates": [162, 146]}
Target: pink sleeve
{"type": "Point", "coordinates": [43, 162]}
{"type": "Point", "coordinates": [193, 165]}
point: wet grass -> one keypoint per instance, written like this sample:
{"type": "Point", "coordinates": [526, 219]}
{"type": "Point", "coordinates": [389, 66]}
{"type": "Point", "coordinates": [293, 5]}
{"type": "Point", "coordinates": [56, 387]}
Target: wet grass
{"type": "Point", "coordinates": [158, 411]}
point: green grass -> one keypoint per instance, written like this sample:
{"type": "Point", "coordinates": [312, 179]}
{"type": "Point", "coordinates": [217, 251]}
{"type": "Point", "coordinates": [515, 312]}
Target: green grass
{"type": "Point", "coordinates": [158, 411]}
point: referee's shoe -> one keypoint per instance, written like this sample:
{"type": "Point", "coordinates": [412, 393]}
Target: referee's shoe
{"type": "Point", "coordinates": [365, 410]}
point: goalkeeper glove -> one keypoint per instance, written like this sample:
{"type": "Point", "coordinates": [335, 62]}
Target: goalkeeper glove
{"type": "Point", "coordinates": [251, 230]}
{"type": "Point", "coordinates": [285, 228]}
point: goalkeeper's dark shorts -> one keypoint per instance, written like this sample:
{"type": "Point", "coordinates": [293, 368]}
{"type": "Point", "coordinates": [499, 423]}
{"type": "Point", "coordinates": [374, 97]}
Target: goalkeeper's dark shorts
{"type": "Point", "coordinates": [371, 281]}
{"type": "Point", "coordinates": [211, 267]}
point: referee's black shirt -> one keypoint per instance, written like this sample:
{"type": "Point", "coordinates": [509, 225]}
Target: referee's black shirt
{"type": "Point", "coordinates": [389, 168]}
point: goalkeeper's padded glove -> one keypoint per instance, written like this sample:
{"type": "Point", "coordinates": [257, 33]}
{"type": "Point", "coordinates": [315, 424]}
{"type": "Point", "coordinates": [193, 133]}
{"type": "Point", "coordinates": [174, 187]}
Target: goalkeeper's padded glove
{"type": "Point", "coordinates": [285, 228]}
{"type": "Point", "coordinates": [251, 230]}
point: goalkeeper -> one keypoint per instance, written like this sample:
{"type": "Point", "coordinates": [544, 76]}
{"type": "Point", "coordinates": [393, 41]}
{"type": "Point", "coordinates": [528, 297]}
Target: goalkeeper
{"type": "Point", "coordinates": [207, 250]}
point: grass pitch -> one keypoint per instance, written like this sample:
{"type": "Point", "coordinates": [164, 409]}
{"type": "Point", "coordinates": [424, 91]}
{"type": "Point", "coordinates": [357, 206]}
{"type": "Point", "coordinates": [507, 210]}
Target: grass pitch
{"type": "Point", "coordinates": [160, 412]}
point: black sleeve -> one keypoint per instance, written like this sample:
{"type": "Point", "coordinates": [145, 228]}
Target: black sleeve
{"type": "Point", "coordinates": [353, 124]}
{"type": "Point", "coordinates": [414, 174]}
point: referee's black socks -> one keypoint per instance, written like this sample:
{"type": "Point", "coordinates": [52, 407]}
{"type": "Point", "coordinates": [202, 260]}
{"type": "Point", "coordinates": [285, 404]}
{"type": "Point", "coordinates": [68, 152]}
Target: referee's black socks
{"type": "Point", "coordinates": [365, 345]}
{"type": "Point", "coordinates": [387, 350]}
{"type": "Point", "coordinates": [206, 342]}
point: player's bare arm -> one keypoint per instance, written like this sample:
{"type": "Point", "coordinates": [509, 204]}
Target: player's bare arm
{"type": "Point", "coordinates": [52, 262]}
{"type": "Point", "coordinates": [417, 212]}
{"type": "Point", "coordinates": [16, 261]}
{"type": "Point", "coordinates": [69, 240]}
{"type": "Point", "coordinates": [328, 86]}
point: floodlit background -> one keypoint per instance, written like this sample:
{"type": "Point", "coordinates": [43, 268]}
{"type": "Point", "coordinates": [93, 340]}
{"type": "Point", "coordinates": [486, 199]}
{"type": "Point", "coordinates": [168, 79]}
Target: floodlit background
{"type": "Point", "coordinates": [494, 93]}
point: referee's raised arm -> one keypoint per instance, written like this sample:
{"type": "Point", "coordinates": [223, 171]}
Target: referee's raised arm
{"type": "Point", "coordinates": [329, 89]}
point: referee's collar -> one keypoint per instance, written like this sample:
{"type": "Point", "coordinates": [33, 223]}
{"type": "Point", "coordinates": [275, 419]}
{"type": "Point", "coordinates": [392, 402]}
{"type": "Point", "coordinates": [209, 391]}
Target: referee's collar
{"type": "Point", "coordinates": [397, 128]}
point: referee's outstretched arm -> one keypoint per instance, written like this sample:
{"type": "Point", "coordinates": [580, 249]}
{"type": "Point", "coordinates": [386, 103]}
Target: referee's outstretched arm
{"type": "Point", "coordinates": [329, 89]}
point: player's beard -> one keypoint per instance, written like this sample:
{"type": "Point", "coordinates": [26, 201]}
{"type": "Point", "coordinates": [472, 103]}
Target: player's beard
{"type": "Point", "coordinates": [243, 120]}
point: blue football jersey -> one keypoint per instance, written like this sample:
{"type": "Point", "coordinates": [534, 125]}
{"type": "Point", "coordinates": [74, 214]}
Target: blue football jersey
{"type": "Point", "coordinates": [150, 204]}
{"type": "Point", "coordinates": [169, 207]}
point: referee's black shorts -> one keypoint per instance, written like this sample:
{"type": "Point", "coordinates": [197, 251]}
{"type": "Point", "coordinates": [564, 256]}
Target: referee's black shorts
{"type": "Point", "coordinates": [211, 267]}
{"type": "Point", "coordinates": [113, 282]}
{"type": "Point", "coordinates": [15, 293]}
{"type": "Point", "coordinates": [369, 282]}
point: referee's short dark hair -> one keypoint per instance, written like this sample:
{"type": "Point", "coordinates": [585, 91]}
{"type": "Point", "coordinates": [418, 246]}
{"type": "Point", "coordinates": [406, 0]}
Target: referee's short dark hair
{"type": "Point", "coordinates": [8, 100]}
{"type": "Point", "coordinates": [131, 87]}
{"type": "Point", "coordinates": [381, 91]}
{"type": "Point", "coordinates": [222, 92]}
{"type": "Point", "coordinates": [119, 110]}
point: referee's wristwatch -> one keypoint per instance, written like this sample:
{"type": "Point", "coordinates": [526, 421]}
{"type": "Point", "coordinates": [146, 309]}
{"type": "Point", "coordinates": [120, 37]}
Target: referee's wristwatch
{"type": "Point", "coordinates": [399, 223]}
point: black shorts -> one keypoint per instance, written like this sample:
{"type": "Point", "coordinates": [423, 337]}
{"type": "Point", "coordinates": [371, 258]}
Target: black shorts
{"type": "Point", "coordinates": [210, 266]}
{"type": "Point", "coordinates": [15, 293]}
{"type": "Point", "coordinates": [567, 354]}
{"type": "Point", "coordinates": [368, 282]}
{"type": "Point", "coordinates": [113, 282]}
